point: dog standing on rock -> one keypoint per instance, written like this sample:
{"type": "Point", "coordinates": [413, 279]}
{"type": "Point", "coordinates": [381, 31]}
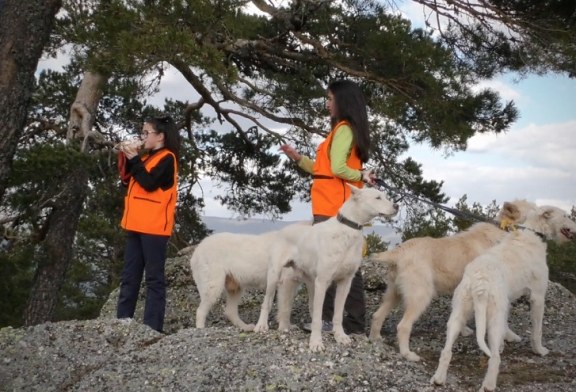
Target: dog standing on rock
{"type": "Point", "coordinates": [515, 267]}
{"type": "Point", "coordinates": [424, 267]}
{"type": "Point", "coordinates": [232, 263]}
{"type": "Point", "coordinates": [331, 251]}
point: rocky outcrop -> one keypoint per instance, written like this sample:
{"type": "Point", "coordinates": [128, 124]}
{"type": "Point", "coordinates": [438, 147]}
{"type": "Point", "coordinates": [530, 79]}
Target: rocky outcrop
{"type": "Point", "coordinates": [108, 354]}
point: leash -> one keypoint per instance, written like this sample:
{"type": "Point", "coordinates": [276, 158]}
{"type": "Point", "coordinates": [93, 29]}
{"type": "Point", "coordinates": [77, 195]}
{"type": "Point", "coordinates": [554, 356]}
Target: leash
{"type": "Point", "coordinates": [453, 211]}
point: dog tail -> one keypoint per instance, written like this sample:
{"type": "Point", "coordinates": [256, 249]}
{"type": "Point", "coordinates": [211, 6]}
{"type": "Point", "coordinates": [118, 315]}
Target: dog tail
{"type": "Point", "coordinates": [480, 296]}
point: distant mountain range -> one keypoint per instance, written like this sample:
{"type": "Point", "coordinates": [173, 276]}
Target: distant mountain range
{"type": "Point", "coordinates": [258, 226]}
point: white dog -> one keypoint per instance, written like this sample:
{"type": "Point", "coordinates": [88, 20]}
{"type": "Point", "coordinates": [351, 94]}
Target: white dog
{"type": "Point", "coordinates": [514, 267]}
{"type": "Point", "coordinates": [421, 268]}
{"type": "Point", "coordinates": [331, 251]}
{"type": "Point", "coordinates": [234, 262]}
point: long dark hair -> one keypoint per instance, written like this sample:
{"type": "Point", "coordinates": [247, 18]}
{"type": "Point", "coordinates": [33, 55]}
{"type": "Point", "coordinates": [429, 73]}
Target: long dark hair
{"type": "Point", "coordinates": [351, 107]}
{"type": "Point", "coordinates": [167, 126]}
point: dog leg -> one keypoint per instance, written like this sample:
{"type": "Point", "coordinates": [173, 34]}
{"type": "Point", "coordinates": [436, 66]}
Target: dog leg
{"type": "Point", "coordinates": [274, 272]}
{"type": "Point", "coordinates": [342, 289]}
{"type": "Point", "coordinates": [285, 298]}
{"type": "Point", "coordinates": [454, 326]}
{"type": "Point", "coordinates": [496, 332]}
{"type": "Point", "coordinates": [310, 290]}
{"type": "Point", "coordinates": [209, 294]}
{"type": "Point", "coordinates": [537, 315]}
{"type": "Point", "coordinates": [489, 383]}
{"type": "Point", "coordinates": [415, 306]}
{"type": "Point", "coordinates": [315, 343]}
{"type": "Point", "coordinates": [202, 311]}
{"type": "Point", "coordinates": [231, 310]}
{"type": "Point", "coordinates": [511, 336]}
{"type": "Point", "coordinates": [262, 324]}
{"type": "Point", "coordinates": [390, 300]}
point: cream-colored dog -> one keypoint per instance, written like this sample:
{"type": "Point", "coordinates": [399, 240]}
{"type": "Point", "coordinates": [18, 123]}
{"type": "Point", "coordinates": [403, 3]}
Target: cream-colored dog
{"type": "Point", "coordinates": [422, 268]}
{"type": "Point", "coordinates": [514, 267]}
{"type": "Point", "coordinates": [233, 263]}
{"type": "Point", "coordinates": [331, 251]}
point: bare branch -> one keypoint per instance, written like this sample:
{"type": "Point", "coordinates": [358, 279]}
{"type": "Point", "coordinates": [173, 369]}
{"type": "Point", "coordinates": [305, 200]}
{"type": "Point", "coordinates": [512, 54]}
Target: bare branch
{"type": "Point", "coordinates": [188, 115]}
{"type": "Point", "coordinates": [228, 95]}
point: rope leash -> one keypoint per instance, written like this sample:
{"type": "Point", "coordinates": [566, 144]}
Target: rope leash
{"type": "Point", "coordinates": [453, 211]}
{"type": "Point", "coordinates": [506, 224]}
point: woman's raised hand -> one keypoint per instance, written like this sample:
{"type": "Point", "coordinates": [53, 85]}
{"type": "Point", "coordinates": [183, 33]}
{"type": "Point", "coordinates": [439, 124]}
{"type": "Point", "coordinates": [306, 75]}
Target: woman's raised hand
{"type": "Point", "coordinates": [290, 152]}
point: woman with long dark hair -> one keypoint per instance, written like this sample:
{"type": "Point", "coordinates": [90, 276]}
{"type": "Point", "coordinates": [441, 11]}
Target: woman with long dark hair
{"type": "Point", "coordinates": [339, 161]}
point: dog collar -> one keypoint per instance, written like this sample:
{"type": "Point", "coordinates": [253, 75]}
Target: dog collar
{"type": "Point", "coordinates": [541, 235]}
{"type": "Point", "coordinates": [348, 222]}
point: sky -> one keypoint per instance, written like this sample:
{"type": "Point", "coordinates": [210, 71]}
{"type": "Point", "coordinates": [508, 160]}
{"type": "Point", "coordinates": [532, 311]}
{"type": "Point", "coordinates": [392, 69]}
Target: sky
{"type": "Point", "coordinates": [534, 160]}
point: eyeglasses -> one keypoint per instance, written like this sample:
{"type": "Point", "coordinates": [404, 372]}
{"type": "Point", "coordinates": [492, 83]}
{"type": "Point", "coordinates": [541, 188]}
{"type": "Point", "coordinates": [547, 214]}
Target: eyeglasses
{"type": "Point", "coordinates": [145, 134]}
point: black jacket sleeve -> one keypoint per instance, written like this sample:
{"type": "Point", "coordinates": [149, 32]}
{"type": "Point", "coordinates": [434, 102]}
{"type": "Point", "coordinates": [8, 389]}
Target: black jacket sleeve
{"type": "Point", "coordinates": [160, 176]}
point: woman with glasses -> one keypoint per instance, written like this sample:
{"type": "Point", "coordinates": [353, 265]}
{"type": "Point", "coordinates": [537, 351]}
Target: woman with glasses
{"type": "Point", "coordinates": [339, 160]}
{"type": "Point", "coordinates": [149, 208]}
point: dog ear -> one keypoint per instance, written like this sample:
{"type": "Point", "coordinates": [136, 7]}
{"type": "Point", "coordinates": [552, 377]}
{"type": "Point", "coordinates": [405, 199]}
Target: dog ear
{"type": "Point", "coordinates": [546, 213]}
{"type": "Point", "coordinates": [510, 211]}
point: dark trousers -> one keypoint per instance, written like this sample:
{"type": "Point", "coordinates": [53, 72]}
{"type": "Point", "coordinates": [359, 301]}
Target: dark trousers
{"type": "Point", "coordinates": [354, 320]}
{"type": "Point", "coordinates": [144, 253]}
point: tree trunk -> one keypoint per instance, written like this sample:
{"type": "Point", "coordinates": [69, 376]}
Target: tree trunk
{"type": "Point", "coordinates": [56, 250]}
{"type": "Point", "coordinates": [55, 253]}
{"type": "Point", "coordinates": [26, 27]}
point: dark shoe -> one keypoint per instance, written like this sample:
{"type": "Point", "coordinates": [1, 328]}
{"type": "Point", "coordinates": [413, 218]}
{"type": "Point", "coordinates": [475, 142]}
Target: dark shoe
{"type": "Point", "coordinates": [326, 327]}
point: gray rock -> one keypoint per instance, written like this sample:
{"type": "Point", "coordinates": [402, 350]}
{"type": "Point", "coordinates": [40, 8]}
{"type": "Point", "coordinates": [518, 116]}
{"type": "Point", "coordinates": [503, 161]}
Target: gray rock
{"type": "Point", "coordinates": [108, 354]}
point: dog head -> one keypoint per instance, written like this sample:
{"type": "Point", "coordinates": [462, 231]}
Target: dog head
{"type": "Point", "coordinates": [515, 212]}
{"type": "Point", "coordinates": [553, 222]}
{"type": "Point", "coordinates": [368, 203]}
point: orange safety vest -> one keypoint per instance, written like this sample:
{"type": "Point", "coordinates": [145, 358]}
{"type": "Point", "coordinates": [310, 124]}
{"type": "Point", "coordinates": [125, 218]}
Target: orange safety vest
{"type": "Point", "coordinates": [151, 212]}
{"type": "Point", "coordinates": [328, 191]}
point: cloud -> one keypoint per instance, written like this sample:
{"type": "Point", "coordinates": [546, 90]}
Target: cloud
{"type": "Point", "coordinates": [534, 162]}
{"type": "Point", "coordinates": [549, 146]}
{"type": "Point", "coordinates": [506, 91]}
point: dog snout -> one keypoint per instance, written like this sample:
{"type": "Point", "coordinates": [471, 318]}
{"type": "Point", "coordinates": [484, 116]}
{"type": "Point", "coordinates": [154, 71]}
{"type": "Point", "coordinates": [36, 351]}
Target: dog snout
{"type": "Point", "coordinates": [395, 206]}
{"type": "Point", "coordinates": [567, 233]}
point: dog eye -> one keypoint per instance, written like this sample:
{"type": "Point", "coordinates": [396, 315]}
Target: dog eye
{"type": "Point", "coordinates": [378, 198]}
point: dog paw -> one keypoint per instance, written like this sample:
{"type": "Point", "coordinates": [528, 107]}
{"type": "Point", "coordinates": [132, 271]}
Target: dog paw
{"type": "Point", "coordinates": [487, 388]}
{"type": "Point", "coordinates": [261, 328]}
{"type": "Point", "coordinates": [512, 337]}
{"type": "Point", "coordinates": [316, 346]}
{"type": "Point", "coordinates": [248, 327]}
{"type": "Point", "coordinates": [541, 350]}
{"type": "Point", "coordinates": [375, 336]}
{"type": "Point", "coordinates": [466, 331]}
{"type": "Point", "coordinates": [438, 380]}
{"type": "Point", "coordinates": [411, 356]}
{"type": "Point", "coordinates": [342, 338]}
